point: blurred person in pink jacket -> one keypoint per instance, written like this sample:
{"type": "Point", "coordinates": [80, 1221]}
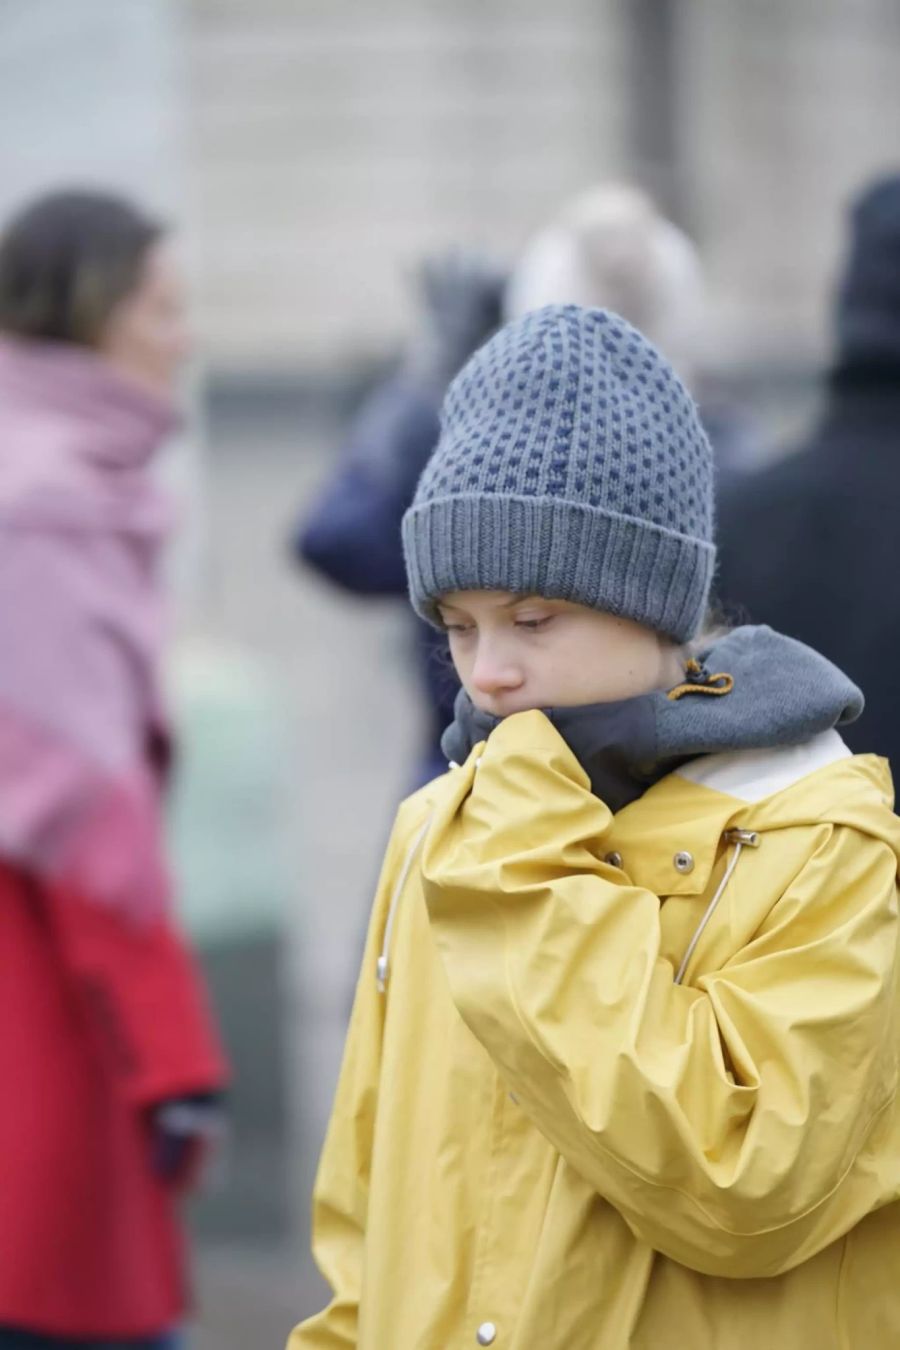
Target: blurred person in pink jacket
{"type": "Point", "coordinates": [110, 1066]}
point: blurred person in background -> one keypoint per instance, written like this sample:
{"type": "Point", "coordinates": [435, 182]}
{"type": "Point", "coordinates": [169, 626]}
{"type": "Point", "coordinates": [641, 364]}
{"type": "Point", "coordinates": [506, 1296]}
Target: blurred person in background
{"type": "Point", "coordinates": [611, 244]}
{"type": "Point", "coordinates": [811, 544]}
{"type": "Point", "coordinates": [352, 533]}
{"type": "Point", "coordinates": [110, 1065]}
{"type": "Point", "coordinates": [609, 247]}
{"type": "Point", "coordinates": [612, 248]}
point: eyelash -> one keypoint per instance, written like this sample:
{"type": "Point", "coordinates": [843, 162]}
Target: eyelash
{"type": "Point", "coordinates": [530, 625]}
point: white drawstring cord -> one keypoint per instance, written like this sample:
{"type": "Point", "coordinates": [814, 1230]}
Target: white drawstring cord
{"type": "Point", "coordinates": [742, 839]}
{"type": "Point", "coordinates": [710, 910]}
{"type": "Point", "coordinates": [382, 968]}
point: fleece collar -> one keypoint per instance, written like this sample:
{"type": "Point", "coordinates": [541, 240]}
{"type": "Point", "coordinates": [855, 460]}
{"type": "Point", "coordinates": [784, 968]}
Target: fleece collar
{"type": "Point", "coordinates": [778, 692]}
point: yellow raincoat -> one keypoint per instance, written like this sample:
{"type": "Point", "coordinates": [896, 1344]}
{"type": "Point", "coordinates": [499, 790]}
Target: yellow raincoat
{"type": "Point", "coordinates": [631, 1082]}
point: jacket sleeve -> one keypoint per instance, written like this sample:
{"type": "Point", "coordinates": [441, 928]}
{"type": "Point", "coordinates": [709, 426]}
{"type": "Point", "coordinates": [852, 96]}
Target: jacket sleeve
{"type": "Point", "coordinates": [735, 1124]}
{"type": "Point", "coordinates": [341, 1194]}
{"type": "Point", "coordinates": [143, 999]}
{"type": "Point", "coordinates": [352, 534]}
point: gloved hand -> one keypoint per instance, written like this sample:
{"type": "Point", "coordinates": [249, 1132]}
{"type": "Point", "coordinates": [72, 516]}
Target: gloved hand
{"type": "Point", "coordinates": [615, 743]}
{"type": "Point", "coordinates": [461, 296]}
{"type": "Point", "coordinates": [185, 1131]}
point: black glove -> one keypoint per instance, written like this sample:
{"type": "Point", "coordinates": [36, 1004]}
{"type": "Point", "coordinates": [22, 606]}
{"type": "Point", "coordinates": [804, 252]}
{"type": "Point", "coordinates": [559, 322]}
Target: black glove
{"type": "Point", "coordinates": [615, 743]}
{"type": "Point", "coordinates": [185, 1131]}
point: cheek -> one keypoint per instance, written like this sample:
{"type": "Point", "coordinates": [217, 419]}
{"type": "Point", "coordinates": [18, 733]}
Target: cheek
{"type": "Point", "coordinates": [461, 659]}
{"type": "Point", "coordinates": [564, 671]}
{"type": "Point", "coordinates": [131, 328]}
{"type": "Point", "coordinates": [174, 340]}
{"type": "Point", "coordinates": [157, 326]}
{"type": "Point", "coordinates": [163, 331]}
{"type": "Point", "coordinates": [575, 670]}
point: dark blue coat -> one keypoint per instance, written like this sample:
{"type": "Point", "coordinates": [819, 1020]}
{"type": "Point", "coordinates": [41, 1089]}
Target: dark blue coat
{"type": "Point", "coordinates": [352, 533]}
{"type": "Point", "coordinates": [811, 545]}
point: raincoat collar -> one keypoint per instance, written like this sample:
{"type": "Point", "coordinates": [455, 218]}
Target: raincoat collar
{"type": "Point", "coordinates": [753, 689]}
{"type": "Point", "coordinates": [691, 810]}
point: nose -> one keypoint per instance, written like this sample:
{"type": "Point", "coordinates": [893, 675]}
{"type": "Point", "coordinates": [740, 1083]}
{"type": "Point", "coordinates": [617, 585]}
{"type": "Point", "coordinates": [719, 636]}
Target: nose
{"type": "Point", "coordinates": [493, 672]}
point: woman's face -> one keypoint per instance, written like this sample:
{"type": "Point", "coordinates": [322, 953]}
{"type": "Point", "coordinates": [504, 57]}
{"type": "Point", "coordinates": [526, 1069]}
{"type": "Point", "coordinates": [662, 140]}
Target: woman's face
{"type": "Point", "coordinates": [515, 652]}
{"type": "Point", "coordinates": [146, 335]}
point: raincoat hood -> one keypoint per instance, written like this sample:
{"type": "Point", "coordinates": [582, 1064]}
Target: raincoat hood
{"type": "Point", "coordinates": [753, 689]}
{"type": "Point", "coordinates": [783, 693]}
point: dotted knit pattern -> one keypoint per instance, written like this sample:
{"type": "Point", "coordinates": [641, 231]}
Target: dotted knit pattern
{"type": "Point", "coordinates": [571, 462]}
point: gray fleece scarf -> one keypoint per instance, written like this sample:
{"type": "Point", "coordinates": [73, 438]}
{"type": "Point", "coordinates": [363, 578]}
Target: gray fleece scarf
{"type": "Point", "coordinates": [780, 693]}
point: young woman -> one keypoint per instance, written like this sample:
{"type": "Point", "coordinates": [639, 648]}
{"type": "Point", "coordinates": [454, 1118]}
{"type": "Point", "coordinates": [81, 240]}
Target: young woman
{"type": "Point", "coordinates": [108, 1061]}
{"type": "Point", "coordinates": [622, 1067]}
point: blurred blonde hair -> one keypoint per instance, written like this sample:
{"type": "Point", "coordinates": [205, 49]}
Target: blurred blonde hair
{"type": "Point", "coordinates": [610, 247]}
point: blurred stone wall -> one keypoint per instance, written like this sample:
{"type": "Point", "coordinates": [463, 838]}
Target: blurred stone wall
{"type": "Point", "coordinates": [334, 141]}
{"type": "Point", "coordinates": [93, 92]}
{"type": "Point", "coordinates": [787, 107]}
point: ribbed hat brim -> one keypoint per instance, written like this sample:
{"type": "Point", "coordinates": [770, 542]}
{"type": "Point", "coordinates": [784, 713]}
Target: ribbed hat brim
{"type": "Point", "coordinates": [561, 550]}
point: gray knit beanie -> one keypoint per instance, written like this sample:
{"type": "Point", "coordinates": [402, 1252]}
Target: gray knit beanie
{"type": "Point", "coordinates": [571, 465]}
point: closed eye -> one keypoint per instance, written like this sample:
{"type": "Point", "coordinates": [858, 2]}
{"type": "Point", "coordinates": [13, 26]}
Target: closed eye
{"type": "Point", "coordinates": [533, 625]}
